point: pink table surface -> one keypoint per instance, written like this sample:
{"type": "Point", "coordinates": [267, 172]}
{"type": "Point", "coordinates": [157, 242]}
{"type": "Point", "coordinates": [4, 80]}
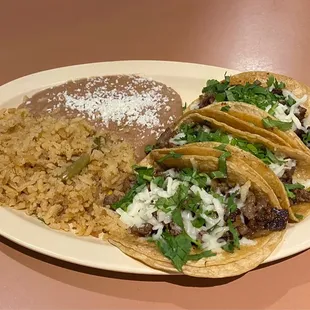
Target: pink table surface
{"type": "Point", "coordinates": [241, 34]}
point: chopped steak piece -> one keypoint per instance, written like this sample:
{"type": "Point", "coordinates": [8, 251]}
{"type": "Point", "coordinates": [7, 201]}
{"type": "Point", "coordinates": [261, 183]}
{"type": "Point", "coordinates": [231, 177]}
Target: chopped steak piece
{"type": "Point", "coordinates": [301, 113]}
{"type": "Point", "coordinates": [163, 140]}
{"type": "Point", "coordinates": [143, 231]}
{"type": "Point", "coordinates": [243, 230]}
{"type": "Point", "coordinates": [277, 91]}
{"type": "Point", "coordinates": [205, 100]}
{"type": "Point", "coordinates": [299, 133]}
{"type": "Point", "coordinates": [111, 199]}
{"type": "Point", "coordinates": [301, 195]}
{"type": "Point", "coordinates": [287, 177]}
{"type": "Point", "coordinates": [232, 216]}
{"type": "Point", "coordinates": [271, 219]}
{"type": "Point", "coordinates": [174, 229]}
{"type": "Point", "coordinates": [249, 209]}
{"type": "Point", "coordinates": [223, 187]}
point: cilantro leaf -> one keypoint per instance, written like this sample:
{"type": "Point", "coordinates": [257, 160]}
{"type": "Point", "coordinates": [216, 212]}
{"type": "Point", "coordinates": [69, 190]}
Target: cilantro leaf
{"type": "Point", "coordinates": [159, 181]}
{"type": "Point", "coordinates": [220, 97]}
{"type": "Point", "coordinates": [217, 175]}
{"type": "Point", "coordinates": [229, 247]}
{"type": "Point", "coordinates": [171, 154]}
{"type": "Point", "coordinates": [221, 147]}
{"type": "Point", "coordinates": [234, 233]}
{"type": "Point", "coordinates": [232, 206]}
{"type": "Point", "coordinates": [271, 123]}
{"type": "Point", "coordinates": [299, 216]}
{"type": "Point", "coordinates": [230, 96]}
{"type": "Point", "coordinates": [144, 173]}
{"type": "Point", "coordinates": [198, 222]}
{"type": "Point", "coordinates": [270, 81]}
{"type": "Point", "coordinates": [290, 101]}
{"type": "Point", "coordinates": [225, 108]}
{"type": "Point", "coordinates": [148, 148]}
{"type": "Point", "coordinates": [196, 257]}
{"type": "Point", "coordinates": [176, 248]}
{"type": "Point", "coordinates": [128, 198]}
{"type": "Point", "coordinates": [222, 167]}
{"type": "Point", "coordinates": [177, 217]}
{"type": "Point", "coordinates": [306, 138]}
{"type": "Point", "coordinates": [272, 110]}
{"type": "Point", "coordinates": [289, 187]}
{"type": "Point", "coordinates": [192, 176]}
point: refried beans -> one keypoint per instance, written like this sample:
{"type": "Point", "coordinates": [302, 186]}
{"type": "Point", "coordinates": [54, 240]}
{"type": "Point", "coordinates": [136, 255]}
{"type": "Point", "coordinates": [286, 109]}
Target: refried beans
{"type": "Point", "coordinates": [138, 109]}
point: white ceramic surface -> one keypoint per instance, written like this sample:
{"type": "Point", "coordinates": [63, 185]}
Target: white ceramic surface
{"type": "Point", "coordinates": [188, 80]}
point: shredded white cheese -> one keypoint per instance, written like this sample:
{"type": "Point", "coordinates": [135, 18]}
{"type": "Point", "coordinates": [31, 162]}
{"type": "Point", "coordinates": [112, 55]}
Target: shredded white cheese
{"type": "Point", "coordinates": [248, 242]}
{"type": "Point", "coordinates": [305, 183]}
{"type": "Point", "coordinates": [287, 114]}
{"type": "Point", "coordinates": [279, 169]}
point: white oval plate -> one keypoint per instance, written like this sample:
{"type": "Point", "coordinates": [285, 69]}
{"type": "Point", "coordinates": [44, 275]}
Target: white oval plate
{"type": "Point", "coordinates": [188, 80]}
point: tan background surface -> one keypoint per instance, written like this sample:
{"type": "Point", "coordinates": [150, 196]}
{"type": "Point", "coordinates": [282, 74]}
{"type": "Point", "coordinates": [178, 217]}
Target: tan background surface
{"type": "Point", "coordinates": [240, 34]}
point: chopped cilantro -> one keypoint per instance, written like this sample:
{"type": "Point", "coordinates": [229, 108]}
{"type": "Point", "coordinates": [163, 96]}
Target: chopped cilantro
{"type": "Point", "coordinates": [290, 101]}
{"type": "Point", "coordinates": [192, 203]}
{"type": "Point", "coordinates": [220, 97]}
{"type": "Point", "coordinates": [184, 106]}
{"type": "Point", "coordinates": [159, 181]}
{"type": "Point", "coordinates": [222, 167]}
{"type": "Point", "coordinates": [306, 138]}
{"type": "Point", "coordinates": [230, 96]}
{"type": "Point", "coordinates": [177, 217]}
{"type": "Point", "coordinates": [143, 174]}
{"type": "Point", "coordinates": [196, 257]}
{"type": "Point", "coordinates": [199, 133]}
{"type": "Point", "coordinates": [299, 216]}
{"type": "Point", "coordinates": [256, 149]}
{"type": "Point", "coordinates": [229, 247]}
{"type": "Point", "coordinates": [272, 110]}
{"type": "Point", "coordinates": [234, 243]}
{"type": "Point", "coordinates": [231, 205]}
{"type": "Point", "coordinates": [217, 175]}
{"type": "Point", "coordinates": [289, 187]}
{"type": "Point", "coordinates": [225, 108]}
{"type": "Point", "coordinates": [252, 93]}
{"type": "Point", "coordinates": [148, 148]}
{"type": "Point", "coordinates": [234, 233]}
{"type": "Point", "coordinates": [271, 123]}
{"type": "Point", "coordinates": [194, 177]}
{"type": "Point", "coordinates": [221, 147]}
{"type": "Point", "coordinates": [128, 198]}
{"type": "Point", "coordinates": [176, 248]}
{"type": "Point", "coordinates": [171, 154]}
{"type": "Point", "coordinates": [198, 222]}
{"type": "Point", "coordinates": [270, 81]}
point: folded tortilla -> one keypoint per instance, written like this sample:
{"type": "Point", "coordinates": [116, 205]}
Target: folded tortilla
{"type": "Point", "coordinates": [221, 122]}
{"type": "Point", "coordinates": [250, 116]}
{"type": "Point", "coordinates": [223, 264]}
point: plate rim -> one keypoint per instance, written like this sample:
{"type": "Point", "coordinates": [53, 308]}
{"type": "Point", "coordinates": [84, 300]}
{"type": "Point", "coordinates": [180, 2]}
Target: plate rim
{"type": "Point", "coordinates": [24, 82]}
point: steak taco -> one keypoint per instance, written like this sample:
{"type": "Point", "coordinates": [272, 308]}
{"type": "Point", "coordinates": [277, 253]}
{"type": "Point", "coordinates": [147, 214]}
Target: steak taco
{"type": "Point", "coordinates": [285, 170]}
{"type": "Point", "coordinates": [275, 103]}
{"type": "Point", "coordinates": [199, 215]}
